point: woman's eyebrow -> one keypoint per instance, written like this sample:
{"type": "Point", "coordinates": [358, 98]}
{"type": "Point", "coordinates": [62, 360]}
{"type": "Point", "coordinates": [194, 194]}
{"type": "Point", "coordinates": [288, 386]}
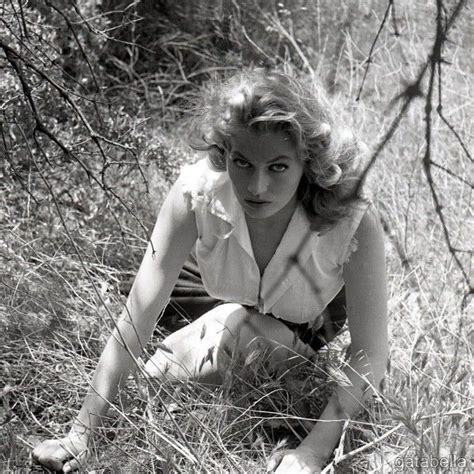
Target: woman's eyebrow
{"type": "Point", "coordinates": [277, 158]}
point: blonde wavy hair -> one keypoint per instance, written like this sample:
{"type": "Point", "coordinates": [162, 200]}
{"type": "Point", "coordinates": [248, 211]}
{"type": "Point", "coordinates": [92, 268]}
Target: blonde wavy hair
{"type": "Point", "coordinates": [262, 100]}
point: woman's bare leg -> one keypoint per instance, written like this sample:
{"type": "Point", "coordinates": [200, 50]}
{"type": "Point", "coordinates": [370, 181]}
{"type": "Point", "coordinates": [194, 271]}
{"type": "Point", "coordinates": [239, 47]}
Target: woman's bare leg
{"type": "Point", "coordinates": [202, 351]}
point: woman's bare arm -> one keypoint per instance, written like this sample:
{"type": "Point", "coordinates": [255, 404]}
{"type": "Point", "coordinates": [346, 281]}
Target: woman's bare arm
{"type": "Point", "coordinates": [172, 239]}
{"type": "Point", "coordinates": [366, 297]}
{"type": "Point", "coordinates": [173, 236]}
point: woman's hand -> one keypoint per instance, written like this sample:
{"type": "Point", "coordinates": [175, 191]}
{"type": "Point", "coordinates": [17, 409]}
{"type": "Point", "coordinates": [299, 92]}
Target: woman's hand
{"type": "Point", "coordinates": [301, 460]}
{"type": "Point", "coordinates": [65, 455]}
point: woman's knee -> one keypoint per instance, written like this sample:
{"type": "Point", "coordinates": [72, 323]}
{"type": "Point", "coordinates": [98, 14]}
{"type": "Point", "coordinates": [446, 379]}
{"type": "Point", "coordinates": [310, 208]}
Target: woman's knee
{"type": "Point", "coordinates": [245, 330]}
{"type": "Point", "coordinates": [281, 345]}
{"type": "Point", "coordinates": [205, 347]}
{"type": "Point", "coordinates": [195, 351]}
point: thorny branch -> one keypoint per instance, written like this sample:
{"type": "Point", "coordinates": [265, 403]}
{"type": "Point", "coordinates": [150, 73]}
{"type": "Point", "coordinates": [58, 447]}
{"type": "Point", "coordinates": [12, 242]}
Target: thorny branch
{"type": "Point", "coordinates": [454, 175]}
{"type": "Point", "coordinates": [76, 39]}
{"type": "Point", "coordinates": [12, 57]}
{"type": "Point", "coordinates": [412, 91]}
{"type": "Point", "coordinates": [435, 63]}
{"type": "Point", "coordinates": [12, 166]}
{"type": "Point", "coordinates": [372, 48]}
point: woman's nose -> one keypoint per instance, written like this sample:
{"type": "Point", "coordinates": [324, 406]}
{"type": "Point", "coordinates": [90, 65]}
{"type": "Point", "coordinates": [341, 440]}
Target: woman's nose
{"type": "Point", "coordinates": [258, 183]}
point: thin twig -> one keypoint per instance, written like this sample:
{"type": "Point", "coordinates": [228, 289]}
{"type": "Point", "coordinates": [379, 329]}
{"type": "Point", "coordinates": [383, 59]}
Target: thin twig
{"type": "Point", "coordinates": [363, 448]}
{"type": "Point", "coordinates": [275, 21]}
{"type": "Point", "coordinates": [454, 175]}
{"type": "Point", "coordinates": [435, 62]}
{"type": "Point", "coordinates": [369, 59]}
{"type": "Point", "coordinates": [412, 91]}
{"type": "Point", "coordinates": [40, 127]}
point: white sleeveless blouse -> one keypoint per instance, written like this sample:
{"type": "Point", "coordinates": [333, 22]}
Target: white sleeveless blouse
{"type": "Point", "coordinates": [302, 277]}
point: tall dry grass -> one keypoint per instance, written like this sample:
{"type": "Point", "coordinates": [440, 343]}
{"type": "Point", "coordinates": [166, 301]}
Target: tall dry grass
{"type": "Point", "coordinates": [56, 308]}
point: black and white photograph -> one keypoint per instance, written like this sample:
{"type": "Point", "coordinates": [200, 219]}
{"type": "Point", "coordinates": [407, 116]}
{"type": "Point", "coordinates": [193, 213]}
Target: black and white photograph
{"type": "Point", "coordinates": [236, 236]}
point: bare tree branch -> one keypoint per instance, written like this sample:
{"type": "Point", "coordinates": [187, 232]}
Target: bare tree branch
{"type": "Point", "coordinates": [435, 62]}
{"type": "Point", "coordinates": [76, 39]}
{"type": "Point", "coordinates": [40, 126]}
{"type": "Point", "coordinates": [372, 48]}
{"type": "Point", "coordinates": [454, 175]}
{"type": "Point", "coordinates": [411, 91]}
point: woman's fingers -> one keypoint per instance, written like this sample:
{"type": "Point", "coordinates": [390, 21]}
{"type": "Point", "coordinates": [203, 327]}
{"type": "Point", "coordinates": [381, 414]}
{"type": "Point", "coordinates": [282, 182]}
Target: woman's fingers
{"type": "Point", "coordinates": [76, 463]}
{"type": "Point", "coordinates": [67, 454]}
{"type": "Point", "coordinates": [51, 454]}
{"type": "Point", "coordinates": [301, 460]}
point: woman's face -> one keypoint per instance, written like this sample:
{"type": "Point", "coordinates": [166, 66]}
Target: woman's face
{"type": "Point", "coordinates": [265, 172]}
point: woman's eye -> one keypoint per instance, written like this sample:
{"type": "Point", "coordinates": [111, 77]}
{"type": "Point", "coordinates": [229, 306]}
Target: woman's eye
{"type": "Point", "coordinates": [240, 163]}
{"type": "Point", "coordinates": [278, 167]}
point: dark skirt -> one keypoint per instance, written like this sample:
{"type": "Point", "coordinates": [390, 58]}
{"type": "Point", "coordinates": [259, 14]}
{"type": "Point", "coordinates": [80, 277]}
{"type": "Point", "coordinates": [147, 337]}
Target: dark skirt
{"type": "Point", "coordinates": [189, 300]}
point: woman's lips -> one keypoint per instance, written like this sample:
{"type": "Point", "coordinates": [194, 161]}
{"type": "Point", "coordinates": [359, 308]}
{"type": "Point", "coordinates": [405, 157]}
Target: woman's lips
{"type": "Point", "coordinates": [256, 203]}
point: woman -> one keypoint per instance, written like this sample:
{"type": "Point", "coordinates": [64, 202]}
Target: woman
{"type": "Point", "coordinates": [280, 236]}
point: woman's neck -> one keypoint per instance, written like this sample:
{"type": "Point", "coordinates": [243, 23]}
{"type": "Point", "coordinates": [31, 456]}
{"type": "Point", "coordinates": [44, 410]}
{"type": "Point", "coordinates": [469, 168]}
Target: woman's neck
{"type": "Point", "coordinates": [266, 234]}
